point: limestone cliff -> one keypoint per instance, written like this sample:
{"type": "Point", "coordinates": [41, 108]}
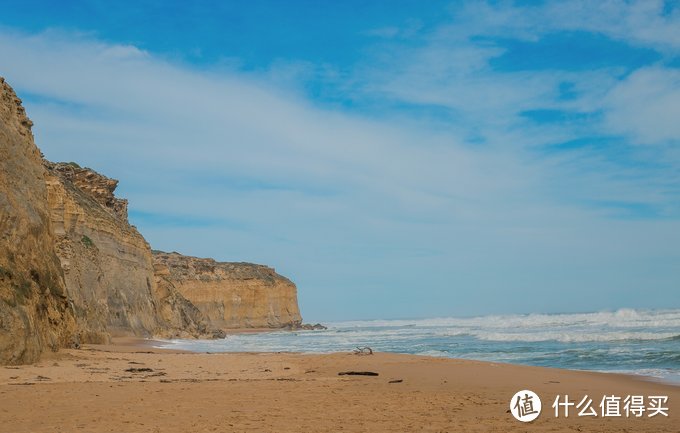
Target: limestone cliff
{"type": "Point", "coordinates": [34, 310]}
{"type": "Point", "coordinates": [232, 295]}
{"type": "Point", "coordinates": [107, 263]}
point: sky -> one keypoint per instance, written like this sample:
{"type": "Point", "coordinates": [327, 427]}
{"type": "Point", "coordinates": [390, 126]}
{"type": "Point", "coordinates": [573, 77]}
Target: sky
{"type": "Point", "coordinates": [395, 159]}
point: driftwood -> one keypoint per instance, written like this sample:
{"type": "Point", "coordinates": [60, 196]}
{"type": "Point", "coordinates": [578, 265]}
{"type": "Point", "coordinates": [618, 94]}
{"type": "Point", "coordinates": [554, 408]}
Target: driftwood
{"type": "Point", "coordinates": [396, 381]}
{"type": "Point", "coordinates": [363, 351]}
{"type": "Point", "coordinates": [357, 373]}
{"type": "Point", "coordinates": [138, 370]}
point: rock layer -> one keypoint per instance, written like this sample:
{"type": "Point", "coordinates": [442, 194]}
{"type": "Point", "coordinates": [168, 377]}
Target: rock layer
{"type": "Point", "coordinates": [34, 310]}
{"type": "Point", "coordinates": [182, 318]}
{"type": "Point", "coordinates": [232, 295]}
{"type": "Point", "coordinates": [107, 263]}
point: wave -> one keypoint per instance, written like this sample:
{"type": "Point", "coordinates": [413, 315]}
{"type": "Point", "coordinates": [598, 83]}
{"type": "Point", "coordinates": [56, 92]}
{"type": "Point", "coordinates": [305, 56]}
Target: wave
{"type": "Point", "coordinates": [615, 326]}
{"type": "Point", "coordinates": [578, 337]}
{"type": "Point", "coordinates": [513, 335]}
{"type": "Point", "coordinates": [666, 375]}
{"type": "Point", "coordinates": [625, 318]}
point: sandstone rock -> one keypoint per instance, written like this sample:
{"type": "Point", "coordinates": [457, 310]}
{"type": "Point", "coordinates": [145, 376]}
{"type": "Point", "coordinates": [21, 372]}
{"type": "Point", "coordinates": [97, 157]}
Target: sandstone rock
{"type": "Point", "coordinates": [97, 186]}
{"type": "Point", "coordinates": [34, 310]}
{"type": "Point", "coordinates": [232, 295]}
{"type": "Point", "coordinates": [108, 265]}
{"type": "Point", "coordinates": [182, 318]}
{"type": "Point", "coordinates": [306, 327]}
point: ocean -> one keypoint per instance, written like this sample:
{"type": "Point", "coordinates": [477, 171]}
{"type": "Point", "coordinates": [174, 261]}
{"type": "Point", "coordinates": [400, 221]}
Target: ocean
{"type": "Point", "coordinates": [629, 341]}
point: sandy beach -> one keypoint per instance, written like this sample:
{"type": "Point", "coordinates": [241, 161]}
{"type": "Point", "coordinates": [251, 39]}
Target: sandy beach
{"type": "Point", "coordinates": [132, 387]}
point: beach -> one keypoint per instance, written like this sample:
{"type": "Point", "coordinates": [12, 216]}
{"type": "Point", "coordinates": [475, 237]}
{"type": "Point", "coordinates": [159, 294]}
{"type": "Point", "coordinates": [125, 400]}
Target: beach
{"type": "Point", "coordinates": [310, 217]}
{"type": "Point", "coordinates": [131, 386]}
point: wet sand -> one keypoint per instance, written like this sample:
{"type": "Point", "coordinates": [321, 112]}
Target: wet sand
{"type": "Point", "coordinates": [133, 387]}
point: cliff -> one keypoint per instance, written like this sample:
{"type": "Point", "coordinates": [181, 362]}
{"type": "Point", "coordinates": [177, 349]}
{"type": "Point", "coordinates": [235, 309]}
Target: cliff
{"type": "Point", "coordinates": [108, 265]}
{"type": "Point", "coordinates": [35, 314]}
{"type": "Point", "coordinates": [73, 269]}
{"type": "Point", "coordinates": [232, 295]}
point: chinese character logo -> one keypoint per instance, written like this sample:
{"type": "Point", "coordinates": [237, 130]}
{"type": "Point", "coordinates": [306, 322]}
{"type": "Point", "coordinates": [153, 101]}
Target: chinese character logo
{"type": "Point", "coordinates": [525, 406]}
{"type": "Point", "coordinates": [610, 405]}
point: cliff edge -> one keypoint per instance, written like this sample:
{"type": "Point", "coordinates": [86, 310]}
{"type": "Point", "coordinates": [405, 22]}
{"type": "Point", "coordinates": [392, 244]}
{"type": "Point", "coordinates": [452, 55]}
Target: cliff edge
{"type": "Point", "coordinates": [232, 295]}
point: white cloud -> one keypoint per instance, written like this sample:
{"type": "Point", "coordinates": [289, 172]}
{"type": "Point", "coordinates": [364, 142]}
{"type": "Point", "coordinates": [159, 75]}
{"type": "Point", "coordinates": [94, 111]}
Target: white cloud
{"type": "Point", "coordinates": [646, 105]}
{"type": "Point", "coordinates": [641, 22]}
{"type": "Point", "coordinates": [450, 68]}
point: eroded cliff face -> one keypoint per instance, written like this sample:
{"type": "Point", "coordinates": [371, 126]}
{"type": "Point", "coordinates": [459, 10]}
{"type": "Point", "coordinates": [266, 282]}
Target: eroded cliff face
{"type": "Point", "coordinates": [108, 265]}
{"type": "Point", "coordinates": [232, 295]}
{"type": "Point", "coordinates": [35, 314]}
{"type": "Point", "coordinates": [183, 318]}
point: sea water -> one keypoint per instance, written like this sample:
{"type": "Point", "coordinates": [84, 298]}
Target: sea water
{"type": "Point", "coordinates": [628, 341]}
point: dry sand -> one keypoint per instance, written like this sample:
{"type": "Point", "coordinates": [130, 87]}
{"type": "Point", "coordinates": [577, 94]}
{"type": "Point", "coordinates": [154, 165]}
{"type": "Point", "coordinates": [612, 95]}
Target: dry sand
{"type": "Point", "coordinates": [96, 389]}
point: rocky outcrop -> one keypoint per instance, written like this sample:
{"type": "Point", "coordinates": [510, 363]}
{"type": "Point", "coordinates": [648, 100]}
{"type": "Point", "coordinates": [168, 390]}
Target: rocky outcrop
{"type": "Point", "coordinates": [35, 314]}
{"type": "Point", "coordinates": [306, 327]}
{"type": "Point", "coordinates": [108, 266]}
{"type": "Point", "coordinates": [96, 186]}
{"type": "Point", "coordinates": [232, 295]}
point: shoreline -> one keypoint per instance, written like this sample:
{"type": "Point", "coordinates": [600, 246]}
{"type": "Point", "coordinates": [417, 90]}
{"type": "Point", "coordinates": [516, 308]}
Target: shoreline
{"type": "Point", "coordinates": [132, 386]}
{"type": "Point", "coordinates": [161, 345]}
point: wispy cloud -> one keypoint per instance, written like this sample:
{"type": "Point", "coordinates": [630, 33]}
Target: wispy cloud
{"type": "Point", "coordinates": [646, 106]}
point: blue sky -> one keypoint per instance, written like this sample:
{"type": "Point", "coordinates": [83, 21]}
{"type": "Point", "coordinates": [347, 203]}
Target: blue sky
{"type": "Point", "coordinates": [398, 159]}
